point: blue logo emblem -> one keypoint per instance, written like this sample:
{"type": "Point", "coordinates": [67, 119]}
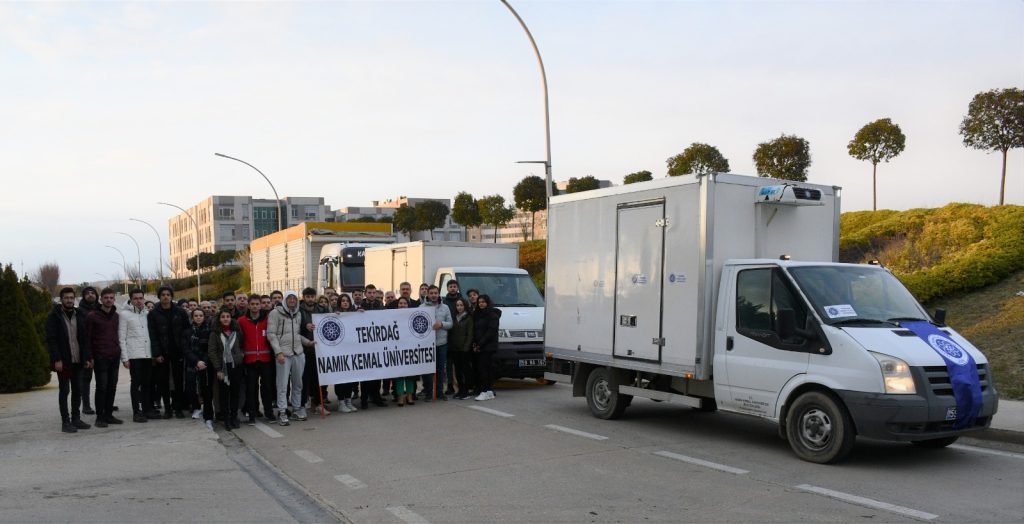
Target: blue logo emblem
{"type": "Point", "coordinates": [950, 349]}
{"type": "Point", "coordinates": [672, 278]}
{"type": "Point", "coordinates": [419, 323]}
{"type": "Point", "coordinates": [332, 332]}
{"type": "Point", "coordinates": [832, 311]}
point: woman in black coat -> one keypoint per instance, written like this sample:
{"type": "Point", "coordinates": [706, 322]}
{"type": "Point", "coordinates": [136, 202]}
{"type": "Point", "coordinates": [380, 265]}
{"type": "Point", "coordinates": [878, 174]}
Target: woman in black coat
{"type": "Point", "coordinates": [197, 368]}
{"type": "Point", "coordinates": [485, 343]}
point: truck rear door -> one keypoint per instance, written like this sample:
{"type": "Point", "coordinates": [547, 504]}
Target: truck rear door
{"type": "Point", "coordinates": [639, 263]}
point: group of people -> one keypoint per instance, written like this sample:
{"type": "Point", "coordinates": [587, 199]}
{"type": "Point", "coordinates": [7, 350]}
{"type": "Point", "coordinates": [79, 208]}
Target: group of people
{"type": "Point", "coordinates": [219, 361]}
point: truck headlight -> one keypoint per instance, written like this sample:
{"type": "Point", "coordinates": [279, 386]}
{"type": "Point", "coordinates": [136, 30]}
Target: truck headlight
{"type": "Point", "coordinates": [895, 374]}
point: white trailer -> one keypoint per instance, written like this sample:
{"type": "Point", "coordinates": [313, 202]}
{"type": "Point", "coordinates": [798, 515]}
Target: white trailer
{"type": "Point", "coordinates": [492, 269]}
{"type": "Point", "coordinates": [723, 291]}
{"type": "Point", "coordinates": [291, 259]}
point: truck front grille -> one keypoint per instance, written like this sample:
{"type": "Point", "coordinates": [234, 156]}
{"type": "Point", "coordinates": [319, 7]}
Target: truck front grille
{"type": "Point", "coordinates": [525, 333]}
{"type": "Point", "coordinates": [938, 379]}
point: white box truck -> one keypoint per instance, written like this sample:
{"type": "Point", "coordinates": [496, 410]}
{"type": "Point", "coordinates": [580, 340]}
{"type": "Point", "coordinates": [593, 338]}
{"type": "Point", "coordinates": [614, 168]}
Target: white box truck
{"type": "Point", "coordinates": [493, 269]}
{"type": "Point", "coordinates": [724, 292]}
{"type": "Point", "coordinates": [312, 254]}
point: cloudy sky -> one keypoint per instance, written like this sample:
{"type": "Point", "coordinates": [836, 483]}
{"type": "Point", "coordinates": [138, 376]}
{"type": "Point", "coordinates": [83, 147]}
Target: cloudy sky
{"type": "Point", "coordinates": [107, 108]}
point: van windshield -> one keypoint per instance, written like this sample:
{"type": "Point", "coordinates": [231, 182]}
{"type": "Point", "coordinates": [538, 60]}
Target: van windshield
{"type": "Point", "coordinates": [852, 295]}
{"type": "Point", "coordinates": [505, 289]}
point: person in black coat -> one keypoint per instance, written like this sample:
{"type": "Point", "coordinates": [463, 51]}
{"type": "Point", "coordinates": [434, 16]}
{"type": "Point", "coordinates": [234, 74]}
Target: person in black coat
{"type": "Point", "coordinates": [68, 346]}
{"type": "Point", "coordinates": [197, 368]}
{"type": "Point", "coordinates": [486, 319]}
{"type": "Point", "coordinates": [168, 333]}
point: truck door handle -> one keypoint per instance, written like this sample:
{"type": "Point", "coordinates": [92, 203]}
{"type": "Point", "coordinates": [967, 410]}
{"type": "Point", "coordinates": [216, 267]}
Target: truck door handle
{"type": "Point", "coordinates": [728, 343]}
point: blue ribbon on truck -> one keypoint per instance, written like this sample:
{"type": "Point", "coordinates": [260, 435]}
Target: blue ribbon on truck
{"type": "Point", "coordinates": [963, 371]}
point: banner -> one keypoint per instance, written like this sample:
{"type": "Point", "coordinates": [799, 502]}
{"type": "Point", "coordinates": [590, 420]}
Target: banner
{"type": "Point", "coordinates": [963, 372]}
{"type": "Point", "coordinates": [371, 345]}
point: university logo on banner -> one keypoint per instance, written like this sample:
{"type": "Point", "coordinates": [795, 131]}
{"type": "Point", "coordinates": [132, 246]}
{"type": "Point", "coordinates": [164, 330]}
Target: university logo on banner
{"type": "Point", "coordinates": [370, 345]}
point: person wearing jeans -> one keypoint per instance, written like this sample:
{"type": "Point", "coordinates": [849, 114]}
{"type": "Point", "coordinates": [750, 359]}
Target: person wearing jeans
{"type": "Point", "coordinates": [442, 323]}
{"type": "Point", "coordinates": [68, 346]}
{"type": "Point", "coordinates": [136, 353]}
{"type": "Point", "coordinates": [102, 328]}
{"type": "Point", "coordinates": [284, 328]}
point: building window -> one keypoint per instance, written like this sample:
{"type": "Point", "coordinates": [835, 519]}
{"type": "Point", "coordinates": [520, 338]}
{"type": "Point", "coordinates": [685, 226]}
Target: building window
{"type": "Point", "coordinates": [226, 232]}
{"type": "Point", "coordinates": [245, 233]}
{"type": "Point", "coordinates": [245, 211]}
{"type": "Point", "coordinates": [226, 213]}
{"type": "Point", "coordinates": [311, 212]}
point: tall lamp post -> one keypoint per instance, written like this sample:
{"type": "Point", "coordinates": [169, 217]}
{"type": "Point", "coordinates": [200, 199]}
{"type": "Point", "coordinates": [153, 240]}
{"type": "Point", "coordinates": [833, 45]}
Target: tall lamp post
{"type": "Point", "coordinates": [159, 246]}
{"type": "Point", "coordinates": [138, 251]}
{"type": "Point", "coordinates": [125, 281]}
{"type": "Point", "coordinates": [547, 116]}
{"type": "Point", "coordinates": [279, 213]}
{"type": "Point", "coordinates": [199, 268]}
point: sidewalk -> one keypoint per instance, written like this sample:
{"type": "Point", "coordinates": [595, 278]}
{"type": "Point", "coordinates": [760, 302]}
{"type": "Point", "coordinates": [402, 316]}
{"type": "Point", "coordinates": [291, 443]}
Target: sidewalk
{"type": "Point", "coordinates": [165, 470]}
{"type": "Point", "coordinates": [1007, 424]}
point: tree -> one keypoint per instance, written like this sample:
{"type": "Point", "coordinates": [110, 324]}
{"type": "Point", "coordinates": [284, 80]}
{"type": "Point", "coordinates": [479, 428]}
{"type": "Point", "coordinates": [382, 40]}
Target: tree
{"type": "Point", "coordinates": [39, 303]}
{"type": "Point", "coordinates": [786, 157]}
{"type": "Point", "coordinates": [405, 220]}
{"type": "Point", "coordinates": [698, 159]}
{"type": "Point", "coordinates": [586, 183]}
{"type": "Point", "coordinates": [48, 276]}
{"type": "Point", "coordinates": [386, 219]}
{"type": "Point", "coordinates": [364, 220]}
{"type": "Point", "coordinates": [531, 197]}
{"type": "Point", "coordinates": [23, 360]}
{"type": "Point", "coordinates": [639, 176]}
{"type": "Point", "coordinates": [494, 211]}
{"type": "Point", "coordinates": [207, 260]}
{"type": "Point", "coordinates": [879, 141]}
{"type": "Point", "coordinates": [995, 121]}
{"type": "Point", "coordinates": [466, 212]}
{"type": "Point", "coordinates": [430, 215]}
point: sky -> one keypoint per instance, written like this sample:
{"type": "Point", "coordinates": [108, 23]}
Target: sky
{"type": "Point", "coordinates": [107, 108]}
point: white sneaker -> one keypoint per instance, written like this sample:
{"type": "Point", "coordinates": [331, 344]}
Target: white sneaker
{"type": "Point", "coordinates": [343, 407]}
{"type": "Point", "coordinates": [209, 425]}
{"type": "Point", "coordinates": [351, 408]}
{"type": "Point", "coordinates": [197, 414]}
{"type": "Point", "coordinates": [482, 396]}
{"type": "Point", "coordinates": [300, 415]}
{"type": "Point", "coordinates": [490, 395]}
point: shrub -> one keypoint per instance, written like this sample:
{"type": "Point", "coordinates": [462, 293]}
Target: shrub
{"type": "Point", "coordinates": [24, 364]}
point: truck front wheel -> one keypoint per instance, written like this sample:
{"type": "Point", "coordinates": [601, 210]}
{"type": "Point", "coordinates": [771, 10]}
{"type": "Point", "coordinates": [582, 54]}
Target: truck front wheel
{"type": "Point", "coordinates": [819, 428]}
{"type": "Point", "coordinates": [603, 395]}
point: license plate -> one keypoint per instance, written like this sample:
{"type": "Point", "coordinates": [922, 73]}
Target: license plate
{"type": "Point", "coordinates": [951, 413]}
{"type": "Point", "coordinates": [530, 362]}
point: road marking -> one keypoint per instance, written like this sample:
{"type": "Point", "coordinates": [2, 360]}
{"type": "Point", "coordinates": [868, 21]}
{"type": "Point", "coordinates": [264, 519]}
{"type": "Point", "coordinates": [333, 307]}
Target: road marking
{"type": "Point", "coordinates": [576, 432]}
{"type": "Point", "coordinates": [988, 451]}
{"type": "Point", "coordinates": [308, 456]}
{"type": "Point", "coordinates": [407, 515]}
{"type": "Point", "coordinates": [267, 430]}
{"type": "Point", "coordinates": [869, 503]}
{"type": "Point", "coordinates": [699, 462]}
{"type": "Point", "coordinates": [350, 481]}
{"type": "Point", "coordinates": [491, 411]}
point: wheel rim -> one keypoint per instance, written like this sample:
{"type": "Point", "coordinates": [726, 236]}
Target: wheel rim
{"type": "Point", "coordinates": [602, 394]}
{"type": "Point", "coordinates": [816, 428]}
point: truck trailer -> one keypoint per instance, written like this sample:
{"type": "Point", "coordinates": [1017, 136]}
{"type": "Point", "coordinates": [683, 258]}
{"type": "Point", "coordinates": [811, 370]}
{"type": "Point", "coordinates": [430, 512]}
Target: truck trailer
{"type": "Point", "coordinates": [493, 269]}
{"type": "Point", "coordinates": [295, 258]}
{"type": "Point", "coordinates": [725, 292]}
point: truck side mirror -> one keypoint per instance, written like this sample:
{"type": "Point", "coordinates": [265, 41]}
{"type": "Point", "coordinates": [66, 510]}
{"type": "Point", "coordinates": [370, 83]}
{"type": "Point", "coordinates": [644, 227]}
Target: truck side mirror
{"type": "Point", "coordinates": [785, 323]}
{"type": "Point", "coordinates": [940, 316]}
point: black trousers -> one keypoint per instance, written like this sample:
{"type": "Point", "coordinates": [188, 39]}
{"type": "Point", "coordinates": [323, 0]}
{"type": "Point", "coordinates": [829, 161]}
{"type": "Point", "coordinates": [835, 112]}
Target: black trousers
{"type": "Point", "coordinates": [204, 381]}
{"type": "Point", "coordinates": [173, 368]}
{"type": "Point", "coordinates": [484, 374]}
{"type": "Point", "coordinates": [229, 392]}
{"type": "Point", "coordinates": [311, 380]}
{"type": "Point", "coordinates": [106, 385]}
{"type": "Point", "coordinates": [370, 390]}
{"type": "Point", "coordinates": [71, 385]}
{"type": "Point", "coordinates": [345, 391]}
{"type": "Point", "coordinates": [85, 385]}
{"type": "Point", "coordinates": [141, 370]}
{"type": "Point", "coordinates": [260, 384]}
{"type": "Point", "coordinates": [463, 370]}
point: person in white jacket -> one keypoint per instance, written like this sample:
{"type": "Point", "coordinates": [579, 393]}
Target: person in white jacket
{"type": "Point", "coordinates": [442, 323]}
{"type": "Point", "coordinates": [136, 353]}
{"type": "Point", "coordinates": [283, 333]}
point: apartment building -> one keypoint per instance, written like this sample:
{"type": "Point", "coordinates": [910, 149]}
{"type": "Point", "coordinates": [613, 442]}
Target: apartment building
{"type": "Point", "coordinates": [451, 231]}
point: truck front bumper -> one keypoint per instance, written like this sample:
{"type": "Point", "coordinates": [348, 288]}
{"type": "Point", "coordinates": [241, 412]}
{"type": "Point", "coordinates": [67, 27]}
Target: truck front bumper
{"type": "Point", "coordinates": [520, 360]}
{"type": "Point", "coordinates": [911, 417]}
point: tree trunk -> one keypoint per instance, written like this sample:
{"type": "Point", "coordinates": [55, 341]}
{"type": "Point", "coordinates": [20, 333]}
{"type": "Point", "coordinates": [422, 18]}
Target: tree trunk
{"type": "Point", "coordinates": [874, 186]}
{"type": "Point", "coordinates": [1002, 183]}
{"type": "Point", "coordinates": [495, 233]}
{"type": "Point", "coordinates": [533, 225]}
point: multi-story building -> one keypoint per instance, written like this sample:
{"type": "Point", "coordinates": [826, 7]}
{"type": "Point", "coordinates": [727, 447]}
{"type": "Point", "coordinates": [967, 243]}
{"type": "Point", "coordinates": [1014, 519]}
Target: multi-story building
{"type": "Point", "coordinates": [525, 226]}
{"type": "Point", "coordinates": [231, 222]}
{"type": "Point", "coordinates": [386, 208]}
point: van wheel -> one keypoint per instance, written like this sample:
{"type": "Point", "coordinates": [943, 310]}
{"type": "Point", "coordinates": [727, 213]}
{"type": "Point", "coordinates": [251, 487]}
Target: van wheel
{"type": "Point", "coordinates": [603, 395]}
{"type": "Point", "coordinates": [935, 443]}
{"type": "Point", "coordinates": [819, 428]}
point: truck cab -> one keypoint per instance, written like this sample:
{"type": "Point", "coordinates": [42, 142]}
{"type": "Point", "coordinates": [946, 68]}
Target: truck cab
{"type": "Point", "coordinates": [342, 267]}
{"type": "Point", "coordinates": [521, 334]}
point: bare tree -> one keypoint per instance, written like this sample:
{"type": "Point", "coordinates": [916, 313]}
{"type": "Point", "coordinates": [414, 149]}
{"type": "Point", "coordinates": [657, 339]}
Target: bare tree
{"type": "Point", "coordinates": [48, 277]}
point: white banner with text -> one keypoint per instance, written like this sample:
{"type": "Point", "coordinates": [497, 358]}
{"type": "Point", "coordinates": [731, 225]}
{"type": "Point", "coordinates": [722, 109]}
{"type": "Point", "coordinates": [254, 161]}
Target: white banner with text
{"type": "Point", "coordinates": [370, 345]}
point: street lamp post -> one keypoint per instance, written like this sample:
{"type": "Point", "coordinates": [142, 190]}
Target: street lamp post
{"type": "Point", "coordinates": [138, 251]}
{"type": "Point", "coordinates": [279, 213]}
{"type": "Point", "coordinates": [159, 246]}
{"type": "Point", "coordinates": [125, 280]}
{"type": "Point", "coordinates": [199, 267]}
{"type": "Point", "coordinates": [547, 116]}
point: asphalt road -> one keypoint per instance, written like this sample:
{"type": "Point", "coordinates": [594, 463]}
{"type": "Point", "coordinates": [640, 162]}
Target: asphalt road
{"type": "Point", "coordinates": [535, 454]}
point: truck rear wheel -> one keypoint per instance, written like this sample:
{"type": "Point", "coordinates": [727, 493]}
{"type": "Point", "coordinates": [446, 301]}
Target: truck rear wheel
{"type": "Point", "coordinates": [819, 428]}
{"type": "Point", "coordinates": [935, 443]}
{"type": "Point", "coordinates": [603, 395]}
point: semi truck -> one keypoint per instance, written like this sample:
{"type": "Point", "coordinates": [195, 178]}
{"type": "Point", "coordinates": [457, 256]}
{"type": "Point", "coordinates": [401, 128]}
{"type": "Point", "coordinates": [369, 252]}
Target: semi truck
{"type": "Point", "coordinates": [724, 292]}
{"type": "Point", "coordinates": [493, 269]}
{"type": "Point", "coordinates": [313, 254]}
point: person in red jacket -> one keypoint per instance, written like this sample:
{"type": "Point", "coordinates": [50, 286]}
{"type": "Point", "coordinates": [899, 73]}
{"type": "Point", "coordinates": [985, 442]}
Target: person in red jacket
{"type": "Point", "coordinates": [259, 362]}
{"type": "Point", "coordinates": [101, 328]}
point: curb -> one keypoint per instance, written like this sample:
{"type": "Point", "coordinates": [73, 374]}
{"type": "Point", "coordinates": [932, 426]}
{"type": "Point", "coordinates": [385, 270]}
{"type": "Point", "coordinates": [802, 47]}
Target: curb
{"type": "Point", "coordinates": [998, 435]}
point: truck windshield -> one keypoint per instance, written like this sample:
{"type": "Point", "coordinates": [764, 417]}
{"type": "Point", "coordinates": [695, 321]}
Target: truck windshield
{"type": "Point", "coordinates": [861, 296]}
{"type": "Point", "coordinates": [505, 289]}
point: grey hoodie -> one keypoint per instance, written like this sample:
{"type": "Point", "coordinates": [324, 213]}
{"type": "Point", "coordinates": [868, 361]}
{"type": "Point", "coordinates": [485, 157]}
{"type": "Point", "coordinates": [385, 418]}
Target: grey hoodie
{"type": "Point", "coordinates": [284, 328]}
